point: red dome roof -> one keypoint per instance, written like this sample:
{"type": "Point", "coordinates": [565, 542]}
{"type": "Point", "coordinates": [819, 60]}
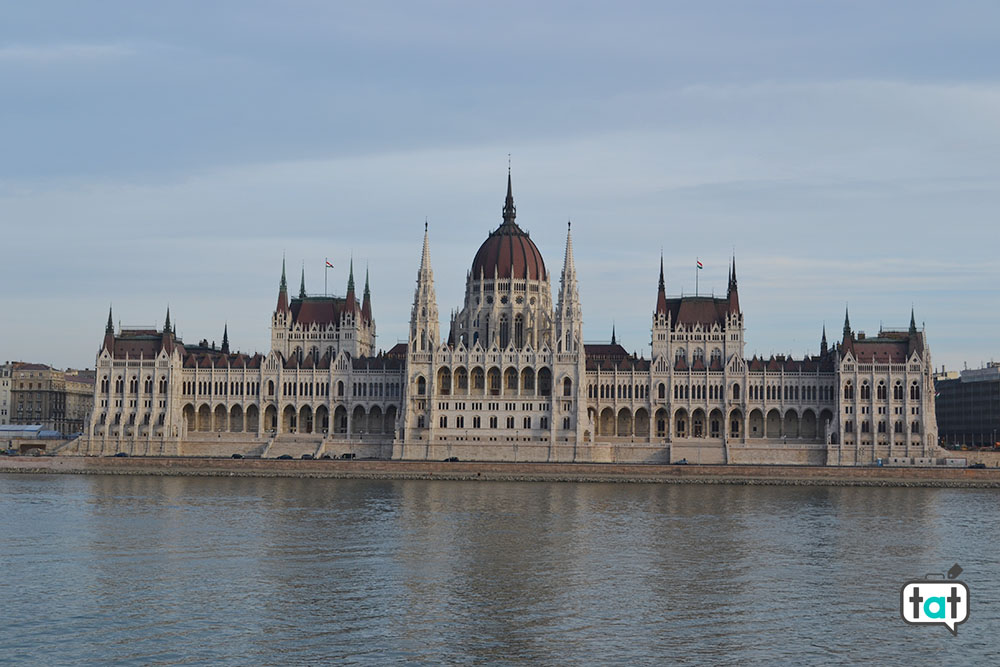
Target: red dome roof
{"type": "Point", "coordinates": [508, 252]}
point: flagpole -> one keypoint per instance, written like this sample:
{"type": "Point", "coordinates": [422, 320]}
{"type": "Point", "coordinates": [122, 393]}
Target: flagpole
{"type": "Point", "coordinates": [696, 260]}
{"type": "Point", "coordinates": [325, 272]}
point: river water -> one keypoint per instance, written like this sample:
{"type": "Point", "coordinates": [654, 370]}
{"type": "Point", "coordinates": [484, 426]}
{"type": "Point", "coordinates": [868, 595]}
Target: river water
{"type": "Point", "coordinates": [185, 570]}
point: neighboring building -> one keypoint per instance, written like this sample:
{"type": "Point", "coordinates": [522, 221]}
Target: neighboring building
{"type": "Point", "coordinates": [5, 371]}
{"type": "Point", "coordinates": [514, 380]}
{"type": "Point", "coordinates": [968, 407]}
{"type": "Point", "coordinates": [57, 400]}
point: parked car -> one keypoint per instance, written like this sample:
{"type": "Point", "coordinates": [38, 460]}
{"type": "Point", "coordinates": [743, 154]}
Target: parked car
{"type": "Point", "coordinates": [237, 456]}
{"type": "Point", "coordinates": [348, 455]}
{"type": "Point", "coordinates": [286, 457]}
{"type": "Point", "coordinates": [307, 457]}
{"type": "Point", "coordinates": [682, 462]}
{"type": "Point", "coordinates": [121, 455]}
{"type": "Point", "coordinates": [451, 459]}
{"type": "Point", "coordinates": [978, 465]}
{"type": "Point", "coordinates": [326, 456]}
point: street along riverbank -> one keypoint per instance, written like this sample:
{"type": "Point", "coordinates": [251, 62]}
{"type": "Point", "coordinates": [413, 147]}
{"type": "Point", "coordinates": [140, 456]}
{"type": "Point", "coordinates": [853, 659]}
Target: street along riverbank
{"type": "Point", "coordinates": [523, 472]}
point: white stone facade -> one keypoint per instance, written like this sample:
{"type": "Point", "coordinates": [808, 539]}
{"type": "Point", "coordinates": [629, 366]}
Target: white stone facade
{"type": "Point", "coordinates": [514, 381]}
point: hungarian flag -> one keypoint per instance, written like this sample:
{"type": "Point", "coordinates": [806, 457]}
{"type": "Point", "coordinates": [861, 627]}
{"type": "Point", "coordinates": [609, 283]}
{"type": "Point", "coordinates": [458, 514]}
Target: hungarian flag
{"type": "Point", "coordinates": [700, 265]}
{"type": "Point", "coordinates": [328, 264]}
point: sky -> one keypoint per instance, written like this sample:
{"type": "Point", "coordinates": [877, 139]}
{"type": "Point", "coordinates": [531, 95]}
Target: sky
{"type": "Point", "coordinates": [170, 154]}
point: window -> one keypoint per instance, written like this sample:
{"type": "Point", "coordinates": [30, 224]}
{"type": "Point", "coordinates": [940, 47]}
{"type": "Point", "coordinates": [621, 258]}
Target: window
{"type": "Point", "coordinates": [566, 423]}
{"type": "Point", "coordinates": [866, 392]}
{"type": "Point", "coordinates": [527, 422]}
{"type": "Point", "coordinates": [443, 421]}
{"type": "Point", "coordinates": [421, 386]}
{"type": "Point", "coordinates": [848, 390]}
{"type": "Point", "coordinates": [736, 391]}
{"type": "Point", "coordinates": [567, 387]}
{"type": "Point", "coordinates": [661, 391]}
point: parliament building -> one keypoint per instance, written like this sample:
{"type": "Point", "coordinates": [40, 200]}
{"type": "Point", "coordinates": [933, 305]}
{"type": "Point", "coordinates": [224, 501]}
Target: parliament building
{"type": "Point", "coordinates": [513, 380]}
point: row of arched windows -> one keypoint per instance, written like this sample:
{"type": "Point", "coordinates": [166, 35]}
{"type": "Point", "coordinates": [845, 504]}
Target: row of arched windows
{"type": "Point", "coordinates": [881, 391]}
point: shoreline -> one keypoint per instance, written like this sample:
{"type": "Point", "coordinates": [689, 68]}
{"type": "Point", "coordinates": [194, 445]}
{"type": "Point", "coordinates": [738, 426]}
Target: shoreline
{"type": "Point", "coordinates": [509, 472]}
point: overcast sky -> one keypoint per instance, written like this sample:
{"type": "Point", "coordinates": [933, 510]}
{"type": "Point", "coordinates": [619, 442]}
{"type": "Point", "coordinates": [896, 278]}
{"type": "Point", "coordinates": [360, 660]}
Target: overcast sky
{"type": "Point", "coordinates": [171, 153]}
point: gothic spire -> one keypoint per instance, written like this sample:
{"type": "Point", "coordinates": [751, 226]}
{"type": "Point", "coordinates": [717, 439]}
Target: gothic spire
{"type": "Point", "coordinates": [282, 290]}
{"type": "Point", "coordinates": [568, 315]}
{"type": "Point", "coordinates": [614, 341]}
{"type": "Point", "coordinates": [847, 323]}
{"type": "Point", "coordinates": [509, 210]}
{"type": "Point", "coordinates": [366, 303]}
{"type": "Point", "coordinates": [661, 292]}
{"type": "Point", "coordinates": [350, 277]}
{"type": "Point", "coordinates": [823, 347]}
{"type": "Point", "coordinates": [302, 285]}
{"type": "Point", "coordinates": [166, 324]}
{"type": "Point", "coordinates": [913, 322]}
{"type": "Point", "coordinates": [225, 339]}
{"type": "Point", "coordinates": [110, 328]}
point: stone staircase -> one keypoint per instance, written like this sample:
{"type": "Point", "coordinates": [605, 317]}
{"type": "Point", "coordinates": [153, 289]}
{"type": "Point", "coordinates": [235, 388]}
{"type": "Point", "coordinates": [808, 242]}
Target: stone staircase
{"type": "Point", "coordinates": [293, 445]}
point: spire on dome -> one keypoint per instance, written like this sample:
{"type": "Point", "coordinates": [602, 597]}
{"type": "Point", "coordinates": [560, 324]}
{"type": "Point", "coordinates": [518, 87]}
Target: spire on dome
{"type": "Point", "coordinates": [509, 210]}
{"type": "Point", "coordinates": [302, 285]}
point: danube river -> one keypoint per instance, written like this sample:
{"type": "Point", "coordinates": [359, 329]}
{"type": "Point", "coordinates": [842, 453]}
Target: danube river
{"type": "Point", "coordinates": [180, 570]}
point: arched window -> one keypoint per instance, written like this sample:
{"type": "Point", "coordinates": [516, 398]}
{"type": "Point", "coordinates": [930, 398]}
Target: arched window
{"type": "Point", "coordinates": [897, 391]}
{"type": "Point", "coordinates": [915, 427]}
{"type": "Point", "coordinates": [848, 390]}
{"type": "Point", "coordinates": [340, 388]}
{"type": "Point", "coordinates": [421, 386]}
{"type": "Point", "coordinates": [736, 391]}
{"type": "Point", "coordinates": [880, 391]}
{"type": "Point", "coordinates": [661, 391]}
{"type": "Point", "coordinates": [567, 387]}
{"type": "Point", "coordinates": [866, 391]}
{"type": "Point", "coordinates": [518, 332]}
{"type": "Point", "coordinates": [914, 392]}
{"type": "Point", "coordinates": [504, 332]}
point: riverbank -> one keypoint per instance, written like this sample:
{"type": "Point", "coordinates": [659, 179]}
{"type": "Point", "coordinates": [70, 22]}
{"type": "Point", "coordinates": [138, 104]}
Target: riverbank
{"type": "Point", "coordinates": [520, 472]}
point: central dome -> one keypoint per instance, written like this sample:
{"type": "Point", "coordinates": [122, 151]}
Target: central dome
{"type": "Point", "coordinates": [508, 252]}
